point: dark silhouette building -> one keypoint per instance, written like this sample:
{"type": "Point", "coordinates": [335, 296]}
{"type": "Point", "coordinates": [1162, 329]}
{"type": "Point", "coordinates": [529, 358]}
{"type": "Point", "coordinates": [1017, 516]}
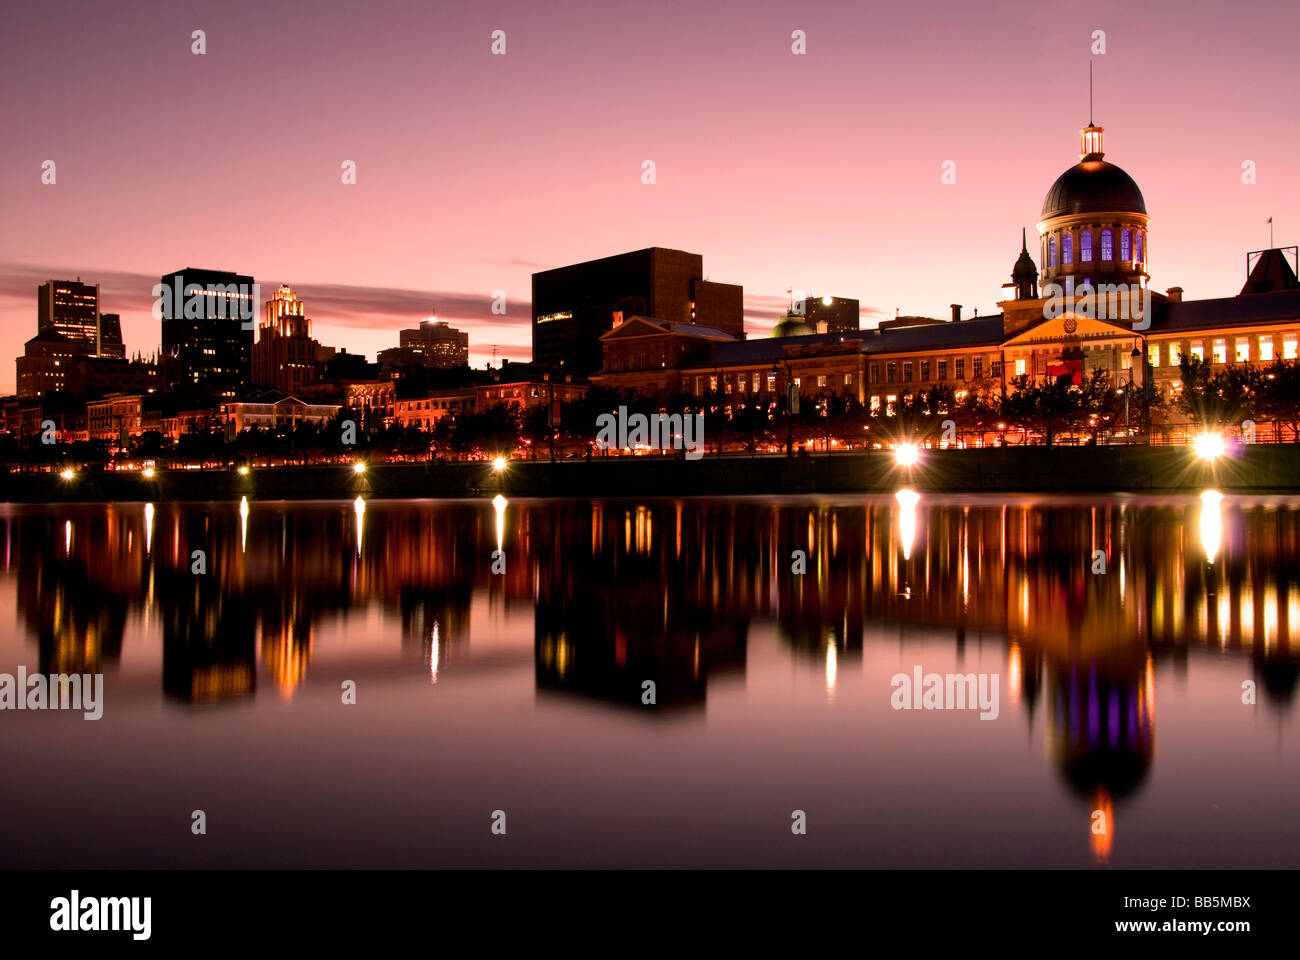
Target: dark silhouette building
{"type": "Point", "coordinates": [574, 305]}
{"type": "Point", "coordinates": [208, 317]}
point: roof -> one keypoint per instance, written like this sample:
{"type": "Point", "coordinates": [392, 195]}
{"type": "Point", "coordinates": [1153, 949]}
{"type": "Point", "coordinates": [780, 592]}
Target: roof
{"type": "Point", "coordinates": [1282, 306]}
{"type": "Point", "coordinates": [1093, 186]}
{"type": "Point", "coordinates": [1270, 273]}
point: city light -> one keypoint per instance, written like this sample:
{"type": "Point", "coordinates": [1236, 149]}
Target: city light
{"type": "Point", "coordinates": [498, 464]}
{"type": "Point", "coordinates": [358, 467]}
{"type": "Point", "coordinates": [1209, 446]}
{"type": "Point", "coordinates": [147, 473]}
{"type": "Point", "coordinates": [67, 473]}
{"type": "Point", "coordinates": [907, 454]}
{"type": "Point", "coordinates": [243, 470]}
{"type": "Point", "coordinates": [827, 301]}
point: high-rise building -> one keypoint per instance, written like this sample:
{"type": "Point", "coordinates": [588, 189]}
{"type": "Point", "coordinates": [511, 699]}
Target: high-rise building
{"type": "Point", "coordinates": [839, 314]}
{"type": "Point", "coordinates": [574, 305]}
{"type": "Point", "coordinates": [207, 329]}
{"type": "Point", "coordinates": [70, 308]}
{"type": "Point", "coordinates": [438, 343]}
{"type": "Point", "coordinates": [47, 363]}
{"type": "Point", "coordinates": [285, 356]}
{"type": "Point", "coordinates": [110, 336]}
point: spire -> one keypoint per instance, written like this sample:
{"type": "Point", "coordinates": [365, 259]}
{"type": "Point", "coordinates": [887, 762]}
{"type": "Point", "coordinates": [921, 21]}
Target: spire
{"type": "Point", "coordinates": [1024, 247]}
{"type": "Point", "coordinates": [1090, 136]}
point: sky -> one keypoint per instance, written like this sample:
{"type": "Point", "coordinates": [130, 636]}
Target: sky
{"type": "Point", "coordinates": [819, 171]}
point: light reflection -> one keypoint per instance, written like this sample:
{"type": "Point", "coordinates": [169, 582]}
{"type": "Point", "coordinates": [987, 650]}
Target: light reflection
{"type": "Point", "coordinates": [243, 522]}
{"type": "Point", "coordinates": [359, 505]}
{"type": "Point", "coordinates": [1211, 523]}
{"type": "Point", "coordinates": [67, 536]}
{"type": "Point", "coordinates": [433, 653]}
{"type": "Point", "coordinates": [907, 500]}
{"type": "Point", "coordinates": [499, 506]}
{"type": "Point", "coordinates": [832, 667]}
{"type": "Point", "coordinates": [1015, 672]}
{"type": "Point", "coordinates": [148, 528]}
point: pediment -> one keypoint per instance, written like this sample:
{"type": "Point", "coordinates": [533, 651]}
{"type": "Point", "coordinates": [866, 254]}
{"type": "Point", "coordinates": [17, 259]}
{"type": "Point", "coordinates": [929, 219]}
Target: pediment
{"type": "Point", "coordinates": [1070, 326]}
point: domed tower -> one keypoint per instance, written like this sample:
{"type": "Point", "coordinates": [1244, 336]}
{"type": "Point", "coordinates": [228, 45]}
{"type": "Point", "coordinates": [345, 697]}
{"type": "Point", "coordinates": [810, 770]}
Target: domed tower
{"type": "Point", "coordinates": [1024, 275]}
{"type": "Point", "coordinates": [1094, 224]}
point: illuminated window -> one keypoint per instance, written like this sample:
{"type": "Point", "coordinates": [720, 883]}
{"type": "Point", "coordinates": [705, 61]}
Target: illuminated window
{"type": "Point", "coordinates": [1198, 350]}
{"type": "Point", "coordinates": [925, 370]}
{"type": "Point", "coordinates": [754, 382]}
{"type": "Point", "coordinates": [1288, 347]}
{"type": "Point", "coordinates": [1020, 366]}
{"type": "Point", "coordinates": [1243, 349]}
{"type": "Point", "coordinates": [740, 383]}
{"type": "Point", "coordinates": [1051, 251]}
{"type": "Point", "coordinates": [848, 379]}
{"type": "Point", "coordinates": [1124, 245]}
{"type": "Point", "coordinates": [713, 383]}
{"type": "Point", "coordinates": [726, 384]}
{"type": "Point", "coordinates": [1175, 354]}
{"type": "Point", "coordinates": [1067, 248]}
{"type": "Point", "coordinates": [1266, 348]}
{"type": "Point", "coordinates": [821, 380]}
{"type": "Point", "coordinates": [875, 406]}
{"type": "Point", "coordinates": [890, 402]}
{"type": "Point", "coordinates": [1153, 354]}
{"type": "Point", "coordinates": [1220, 351]}
{"type": "Point", "coordinates": [1137, 246]}
{"type": "Point", "coordinates": [1107, 250]}
{"type": "Point", "coordinates": [1085, 246]}
{"type": "Point", "coordinates": [771, 383]}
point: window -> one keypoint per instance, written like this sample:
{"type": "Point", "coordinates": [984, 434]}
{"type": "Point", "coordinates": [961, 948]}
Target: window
{"type": "Point", "coordinates": [713, 383]}
{"type": "Point", "coordinates": [821, 380]}
{"type": "Point", "coordinates": [960, 368]}
{"type": "Point", "coordinates": [1124, 245]}
{"type": "Point", "coordinates": [1067, 248]}
{"type": "Point", "coordinates": [907, 371]}
{"type": "Point", "coordinates": [1020, 366]}
{"type": "Point", "coordinates": [1266, 348]}
{"type": "Point", "coordinates": [1198, 350]}
{"type": "Point", "coordinates": [943, 369]}
{"type": "Point", "coordinates": [1175, 354]}
{"type": "Point", "coordinates": [1137, 247]}
{"type": "Point", "coordinates": [1243, 349]}
{"type": "Point", "coordinates": [754, 382]}
{"type": "Point", "coordinates": [1288, 347]}
{"type": "Point", "coordinates": [891, 372]}
{"type": "Point", "coordinates": [925, 370]}
{"type": "Point", "coordinates": [978, 368]}
{"type": "Point", "coordinates": [848, 379]}
{"type": "Point", "coordinates": [1085, 246]}
{"type": "Point", "coordinates": [890, 402]}
{"type": "Point", "coordinates": [1220, 351]}
{"type": "Point", "coordinates": [875, 406]}
{"type": "Point", "coordinates": [995, 368]}
{"type": "Point", "coordinates": [1107, 251]}
{"type": "Point", "coordinates": [875, 373]}
{"type": "Point", "coordinates": [740, 382]}
{"type": "Point", "coordinates": [1153, 354]}
{"type": "Point", "coordinates": [1051, 251]}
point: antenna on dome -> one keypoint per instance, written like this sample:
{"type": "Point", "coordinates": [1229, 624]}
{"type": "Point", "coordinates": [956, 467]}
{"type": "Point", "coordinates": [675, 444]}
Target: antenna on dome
{"type": "Point", "coordinates": [1090, 92]}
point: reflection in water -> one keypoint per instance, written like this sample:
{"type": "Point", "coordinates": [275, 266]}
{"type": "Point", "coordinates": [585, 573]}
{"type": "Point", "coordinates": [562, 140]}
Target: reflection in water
{"type": "Point", "coordinates": [672, 591]}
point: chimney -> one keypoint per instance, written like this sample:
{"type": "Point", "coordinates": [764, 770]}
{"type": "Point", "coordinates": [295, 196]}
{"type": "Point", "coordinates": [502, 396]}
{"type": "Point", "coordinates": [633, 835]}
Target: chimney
{"type": "Point", "coordinates": [956, 312]}
{"type": "Point", "coordinates": [1175, 294]}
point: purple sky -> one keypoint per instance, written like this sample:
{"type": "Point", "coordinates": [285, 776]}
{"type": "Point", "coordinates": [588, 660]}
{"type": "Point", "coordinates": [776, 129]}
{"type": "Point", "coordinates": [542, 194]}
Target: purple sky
{"type": "Point", "coordinates": [819, 171]}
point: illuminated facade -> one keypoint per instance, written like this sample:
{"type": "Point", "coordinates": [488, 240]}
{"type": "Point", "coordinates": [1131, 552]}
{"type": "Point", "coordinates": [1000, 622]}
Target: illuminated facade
{"type": "Point", "coordinates": [285, 357]}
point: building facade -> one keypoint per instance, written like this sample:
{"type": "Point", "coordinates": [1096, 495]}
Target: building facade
{"type": "Point", "coordinates": [207, 318]}
{"type": "Point", "coordinates": [285, 357]}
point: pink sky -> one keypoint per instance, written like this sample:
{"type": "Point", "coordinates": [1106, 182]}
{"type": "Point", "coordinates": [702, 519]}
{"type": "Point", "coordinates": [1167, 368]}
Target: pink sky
{"type": "Point", "coordinates": [819, 171]}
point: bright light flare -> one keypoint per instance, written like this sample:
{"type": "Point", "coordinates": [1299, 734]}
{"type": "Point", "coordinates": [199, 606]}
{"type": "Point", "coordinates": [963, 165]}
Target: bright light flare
{"type": "Point", "coordinates": [67, 473]}
{"type": "Point", "coordinates": [498, 464]}
{"type": "Point", "coordinates": [147, 472]}
{"type": "Point", "coordinates": [1209, 446]}
{"type": "Point", "coordinates": [907, 454]}
{"type": "Point", "coordinates": [243, 470]}
{"type": "Point", "coordinates": [358, 467]}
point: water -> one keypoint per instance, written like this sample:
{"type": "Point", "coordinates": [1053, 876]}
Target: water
{"type": "Point", "coordinates": [1118, 692]}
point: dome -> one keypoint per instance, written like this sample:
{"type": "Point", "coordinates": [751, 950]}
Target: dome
{"type": "Point", "coordinates": [1093, 186]}
{"type": "Point", "coordinates": [791, 325]}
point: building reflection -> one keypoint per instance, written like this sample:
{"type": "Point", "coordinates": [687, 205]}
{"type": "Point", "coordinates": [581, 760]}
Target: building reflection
{"type": "Point", "coordinates": [1087, 600]}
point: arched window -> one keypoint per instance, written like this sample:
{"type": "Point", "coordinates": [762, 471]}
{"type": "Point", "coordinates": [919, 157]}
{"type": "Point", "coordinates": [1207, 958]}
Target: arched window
{"type": "Point", "coordinates": [1067, 248]}
{"type": "Point", "coordinates": [1107, 251]}
{"type": "Point", "coordinates": [1051, 251]}
{"type": "Point", "coordinates": [1137, 254]}
{"type": "Point", "coordinates": [1124, 250]}
{"type": "Point", "coordinates": [1085, 246]}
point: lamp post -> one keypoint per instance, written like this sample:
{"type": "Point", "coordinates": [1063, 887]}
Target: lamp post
{"type": "Point", "coordinates": [789, 402]}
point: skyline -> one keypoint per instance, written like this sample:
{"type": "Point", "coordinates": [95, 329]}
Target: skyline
{"type": "Point", "coordinates": [767, 207]}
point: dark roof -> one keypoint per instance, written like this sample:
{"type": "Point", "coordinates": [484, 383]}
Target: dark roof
{"type": "Point", "coordinates": [1279, 307]}
{"type": "Point", "coordinates": [1270, 273]}
{"type": "Point", "coordinates": [1093, 186]}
